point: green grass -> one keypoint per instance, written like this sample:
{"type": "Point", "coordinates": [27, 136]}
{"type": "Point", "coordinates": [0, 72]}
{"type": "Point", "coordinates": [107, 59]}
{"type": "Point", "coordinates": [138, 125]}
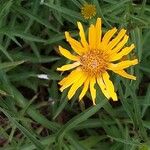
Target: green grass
{"type": "Point", "coordinates": [34, 114]}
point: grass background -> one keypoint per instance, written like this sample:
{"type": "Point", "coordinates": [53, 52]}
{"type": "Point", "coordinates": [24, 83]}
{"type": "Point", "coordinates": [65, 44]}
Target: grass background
{"type": "Point", "coordinates": [34, 115]}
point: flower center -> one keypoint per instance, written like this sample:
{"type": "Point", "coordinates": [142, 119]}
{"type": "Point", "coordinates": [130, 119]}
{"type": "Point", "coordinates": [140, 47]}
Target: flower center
{"type": "Point", "coordinates": [88, 11]}
{"type": "Point", "coordinates": [94, 62]}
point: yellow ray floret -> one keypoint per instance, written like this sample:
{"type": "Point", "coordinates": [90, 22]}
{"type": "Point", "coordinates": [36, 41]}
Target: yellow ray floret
{"type": "Point", "coordinates": [109, 86]}
{"type": "Point", "coordinates": [85, 88]}
{"type": "Point", "coordinates": [68, 67]}
{"type": "Point", "coordinates": [121, 44]}
{"type": "Point", "coordinates": [76, 46]}
{"type": "Point", "coordinates": [98, 31]}
{"type": "Point", "coordinates": [76, 85]}
{"type": "Point", "coordinates": [108, 36]}
{"type": "Point", "coordinates": [94, 57]}
{"type": "Point", "coordinates": [92, 37]}
{"type": "Point", "coordinates": [67, 54]}
{"type": "Point", "coordinates": [82, 36]}
{"type": "Point", "coordinates": [92, 89]}
{"type": "Point", "coordinates": [70, 79]}
{"type": "Point", "coordinates": [122, 64]}
{"type": "Point", "coordinates": [117, 39]}
{"type": "Point", "coordinates": [125, 74]}
{"type": "Point", "coordinates": [123, 52]}
{"type": "Point", "coordinates": [103, 87]}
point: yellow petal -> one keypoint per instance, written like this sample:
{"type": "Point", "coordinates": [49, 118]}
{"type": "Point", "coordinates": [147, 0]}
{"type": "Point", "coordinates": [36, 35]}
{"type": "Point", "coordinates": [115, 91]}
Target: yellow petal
{"type": "Point", "coordinates": [68, 67]}
{"type": "Point", "coordinates": [92, 37]}
{"type": "Point", "coordinates": [108, 35]}
{"type": "Point", "coordinates": [76, 85]}
{"type": "Point", "coordinates": [125, 74]}
{"type": "Point", "coordinates": [103, 87]}
{"type": "Point", "coordinates": [120, 44]}
{"type": "Point", "coordinates": [85, 88]}
{"type": "Point", "coordinates": [82, 36]}
{"type": "Point", "coordinates": [92, 89]}
{"type": "Point", "coordinates": [76, 46]}
{"type": "Point", "coordinates": [98, 31]}
{"type": "Point", "coordinates": [122, 65]}
{"type": "Point", "coordinates": [109, 86]}
{"type": "Point", "coordinates": [70, 79]}
{"type": "Point", "coordinates": [71, 75]}
{"type": "Point", "coordinates": [122, 53]}
{"type": "Point", "coordinates": [67, 54]}
{"type": "Point", "coordinates": [116, 40]}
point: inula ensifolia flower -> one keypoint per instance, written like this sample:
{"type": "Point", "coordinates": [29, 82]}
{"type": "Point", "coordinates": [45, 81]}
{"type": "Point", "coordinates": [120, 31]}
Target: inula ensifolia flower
{"type": "Point", "coordinates": [88, 11]}
{"type": "Point", "coordinates": [92, 60]}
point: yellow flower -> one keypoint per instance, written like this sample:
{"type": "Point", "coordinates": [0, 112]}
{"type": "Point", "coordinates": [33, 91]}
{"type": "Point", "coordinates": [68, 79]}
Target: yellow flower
{"type": "Point", "coordinates": [88, 11]}
{"type": "Point", "coordinates": [93, 59]}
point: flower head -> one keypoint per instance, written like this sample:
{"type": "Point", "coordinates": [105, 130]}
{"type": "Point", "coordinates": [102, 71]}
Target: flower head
{"type": "Point", "coordinates": [93, 59]}
{"type": "Point", "coordinates": [88, 11]}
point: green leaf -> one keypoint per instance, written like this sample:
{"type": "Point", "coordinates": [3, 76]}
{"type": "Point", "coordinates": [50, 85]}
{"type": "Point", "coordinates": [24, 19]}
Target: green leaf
{"type": "Point", "coordinates": [25, 131]}
{"type": "Point", "coordinates": [129, 142]}
{"type": "Point", "coordinates": [16, 33]}
{"type": "Point", "coordinates": [31, 58]}
{"type": "Point", "coordinates": [10, 64]}
{"type": "Point", "coordinates": [136, 36]}
{"type": "Point", "coordinates": [32, 112]}
{"type": "Point", "coordinates": [34, 17]}
{"type": "Point", "coordinates": [5, 52]}
{"type": "Point", "coordinates": [78, 119]}
{"type": "Point", "coordinates": [4, 8]}
{"type": "Point", "coordinates": [64, 10]}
